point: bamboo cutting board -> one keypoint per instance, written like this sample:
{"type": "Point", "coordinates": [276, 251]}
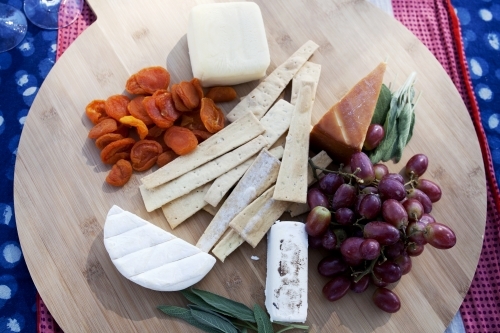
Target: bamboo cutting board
{"type": "Point", "coordinates": [61, 199]}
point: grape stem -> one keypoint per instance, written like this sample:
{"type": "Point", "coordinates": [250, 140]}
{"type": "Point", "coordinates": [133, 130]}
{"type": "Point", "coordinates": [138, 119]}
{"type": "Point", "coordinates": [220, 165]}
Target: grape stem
{"type": "Point", "coordinates": [359, 275]}
{"type": "Point", "coordinates": [343, 174]}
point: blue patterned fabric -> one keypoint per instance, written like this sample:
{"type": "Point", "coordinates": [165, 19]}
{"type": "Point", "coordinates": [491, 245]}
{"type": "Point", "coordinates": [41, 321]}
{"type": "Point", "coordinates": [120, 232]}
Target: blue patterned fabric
{"type": "Point", "coordinates": [22, 71]}
{"type": "Point", "coordinates": [480, 24]}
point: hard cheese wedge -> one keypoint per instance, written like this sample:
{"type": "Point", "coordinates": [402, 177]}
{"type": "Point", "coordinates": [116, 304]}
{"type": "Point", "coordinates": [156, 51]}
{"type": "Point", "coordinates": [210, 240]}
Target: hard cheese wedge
{"type": "Point", "coordinates": [286, 281]}
{"type": "Point", "coordinates": [342, 130]}
{"type": "Point", "coordinates": [150, 256]}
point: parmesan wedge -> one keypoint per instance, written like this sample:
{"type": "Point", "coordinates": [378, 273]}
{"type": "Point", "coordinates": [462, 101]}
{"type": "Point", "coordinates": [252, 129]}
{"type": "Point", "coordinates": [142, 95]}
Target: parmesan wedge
{"type": "Point", "coordinates": [292, 179]}
{"type": "Point", "coordinates": [221, 186]}
{"type": "Point", "coordinates": [227, 245]}
{"type": "Point", "coordinates": [230, 137]}
{"type": "Point", "coordinates": [182, 208]}
{"type": "Point", "coordinates": [261, 174]}
{"type": "Point", "coordinates": [229, 242]}
{"type": "Point", "coordinates": [163, 194]}
{"type": "Point", "coordinates": [263, 96]}
{"type": "Point", "coordinates": [309, 72]}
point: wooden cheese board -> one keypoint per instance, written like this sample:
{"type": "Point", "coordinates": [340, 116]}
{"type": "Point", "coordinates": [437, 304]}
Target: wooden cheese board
{"type": "Point", "coordinates": [61, 199]}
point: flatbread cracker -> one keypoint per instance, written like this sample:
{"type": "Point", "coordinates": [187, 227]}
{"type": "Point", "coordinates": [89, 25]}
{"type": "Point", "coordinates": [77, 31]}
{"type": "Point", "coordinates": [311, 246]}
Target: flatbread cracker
{"type": "Point", "coordinates": [261, 174]}
{"type": "Point", "coordinates": [163, 194]}
{"type": "Point", "coordinates": [229, 242]}
{"type": "Point", "coordinates": [230, 137]}
{"type": "Point", "coordinates": [263, 96]}
{"type": "Point", "coordinates": [292, 179]}
{"type": "Point", "coordinates": [309, 72]}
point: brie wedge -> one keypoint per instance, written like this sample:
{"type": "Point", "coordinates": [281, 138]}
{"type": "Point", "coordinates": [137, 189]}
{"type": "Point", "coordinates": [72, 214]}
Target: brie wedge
{"type": "Point", "coordinates": [286, 281]}
{"type": "Point", "coordinates": [150, 256]}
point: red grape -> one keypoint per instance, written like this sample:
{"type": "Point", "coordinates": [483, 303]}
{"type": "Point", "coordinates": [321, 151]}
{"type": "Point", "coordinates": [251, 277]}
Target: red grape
{"type": "Point", "coordinates": [314, 242]}
{"type": "Point", "coordinates": [422, 197]}
{"type": "Point", "coordinates": [350, 250]}
{"type": "Point", "coordinates": [390, 188]}
{"type": "Point", "coordinates": [387, 271]}
{"type": "Point", "coordinates": [380, 170]}
{"type": "Point", "coordinates": [374, 136]}
{"type": "Point", "coordinates": [440, 236]}
{"type": "Point", "coordinates": [370, 206]}
{"type": "Point", "coordinates": [317, 221]}
{"type": "Point", "coordinates": [336, 288]}
{"type": "Point", "coordinates": [394, 213]}
{"type": "Point", "coordinates": [344, 216]}
{"type": "Point", "coordinates": [361, 285]}
{"type": "Point", "coordinates": [316, 198]}
{"type": "Point", "coordinates": [369, 249]}
{"type": "Point", "coordinates": [361, 164]}
{"type": "Point", "coordinates": [415, 232]}
{"type": "Point", "coordinates": [386, 300]}
{"type": "Point", "coordinates": [414, 209]}
{"type": "Point", "coordinates": [414, 249]}
{"type": "Point", "coordinates": [331, 266]}
{"type": "Point", "coordinates": [404, 262]}
{"type": "Point", "coordinates": [369, 190]}
{"type": "Point", "coordinates": [377, 282]}
{"type": "Point", "coordinates": [427, 218]}
{"type": "Point", "coordinates": [344, 196]}
{"type": "Point", "coordinates": [383, 232]}
{"type": "Point", "coordinates": [394, 250]}
{"type": "Point", "coordinates": [417, 165]}
{"type": "Point", "coordinates": [329, 240]}
{"type": "Point", "coordinates": [395, 176]}
{"type": "Point", "coordinates": [430, 188]}
{"type": "Point", "coordinates": [330, 183]}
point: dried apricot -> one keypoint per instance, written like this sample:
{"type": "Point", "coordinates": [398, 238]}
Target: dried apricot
{"type": "Point", "coordinates": [155, 114]}
{"type": "Point", "coordinates": [120, 173]}
{"type": "Point", "coordinates": [106, 139]}
{"type": "Point", "coordinates": [153, 78]}
{"type": "Point", "coordinates": [188, 94]}
{"type": "Point", "coordinates": [201, 135]}
{"type": "Point", "coordinates": [165, 104]}
{"type": "Point", "coordinates": [179, 104]}
{"type": "Point", "coordinates": [155, 131]}
{"type": "Point", "coordinates": [221, 94]}
{"type": "Point", "coordinates": [133, 87]}
{"type": "Point", "coordinates": [95, 110]}
{"type": "Point", "coordinates": [142, 129]}
{"type": "Point", "coordinates": [123, 130]}
{"type": "Point", "coordinates": [192, 121]}
{"type": "Point", "coordinates": [136, 109]}
{"type": "Point", "coordinates": [181, 140]}
{"type": "Point", "coordinates": [144, 154]}
{"type": "Point", "coordinates": [199, 89]}
{"type": "Point", "coordinates": [166, 157]}
{"type": "Point", "coordinates": [211, 116]}
{"type": "Point", "coordinates": [104, 127]}
{"type": "Point", "coordinates": [116, 106]}
{"type": "Point", "coordinates": [117, 150]}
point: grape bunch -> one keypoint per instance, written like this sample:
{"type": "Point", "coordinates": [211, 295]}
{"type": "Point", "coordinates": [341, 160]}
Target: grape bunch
{"type": "Point", "coordinates": [372, 222]}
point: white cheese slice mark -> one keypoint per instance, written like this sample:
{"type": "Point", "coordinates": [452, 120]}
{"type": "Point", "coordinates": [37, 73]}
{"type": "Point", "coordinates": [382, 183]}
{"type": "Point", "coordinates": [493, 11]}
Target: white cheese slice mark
{"type": "Point", "coordinates": [230, 137]}
{"type": "Point", "coordinates": [136, 239]}
{"type": "Point", "coordinates": [263, 96]}
{"type": "Point", "coordinates": [286, 279]}
{"type": "Point", "coordinates": [155, 256]}
{"type": "Point", "coordinates": [119, 221]}
{"type": "Point", "coordinates": [176, 275]}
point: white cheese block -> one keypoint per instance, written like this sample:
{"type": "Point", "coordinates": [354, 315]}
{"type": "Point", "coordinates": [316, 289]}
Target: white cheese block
{"type": "Point", "coordinates": [150, 256]}
{"type": "Point", "coordinates": [227, 43]}
{"type": "Point", "coordinates": [286, 281]}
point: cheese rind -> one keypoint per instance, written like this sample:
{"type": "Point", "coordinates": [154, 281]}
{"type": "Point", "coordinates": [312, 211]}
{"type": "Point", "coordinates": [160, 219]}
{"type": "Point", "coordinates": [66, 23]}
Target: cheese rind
{"type": "Point", "coordinates": [150, 256]}
{"type": "Point", "coordinates": [286, 280]}
{"type": "Point", "coordinates": [227, 43]}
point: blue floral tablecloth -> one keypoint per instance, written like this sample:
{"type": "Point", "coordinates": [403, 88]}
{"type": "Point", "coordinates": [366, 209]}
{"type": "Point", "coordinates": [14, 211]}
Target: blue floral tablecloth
{"type": "Point", "coordinates": [23, 69]}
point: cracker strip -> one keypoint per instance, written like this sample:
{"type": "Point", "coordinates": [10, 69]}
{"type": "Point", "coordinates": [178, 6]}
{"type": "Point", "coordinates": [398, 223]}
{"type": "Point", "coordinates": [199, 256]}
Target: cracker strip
{"type": "Point", "coordinates": [230, 137]}
{"type": "Point", "coordinates": [229, 242]}
{"type": "Point", "coordinates": [263, 96]}
{"type": "Point", "coordinates": [309, 72]}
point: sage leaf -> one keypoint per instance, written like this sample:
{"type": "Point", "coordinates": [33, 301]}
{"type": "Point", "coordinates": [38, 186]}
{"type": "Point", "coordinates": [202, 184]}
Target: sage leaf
{"type": "Point", "coordinates": [214, 321]}
{"type": "Point", "coordinates": [193, 298]}
{"type": "Point", "coordinates": [403, 129]}
{"type": "Point", "coordinates": [383, 105]}
{"type": "Point", "coordinates": [410, 134]}
{"type": "Point", "coordinates": [185, 314]}
{"type": "Point", "coordinates": [200, 308]}
{"type": "Point", "coordinates": [226, 305]}
{"type": "Point", "coordinates": [264, 324]}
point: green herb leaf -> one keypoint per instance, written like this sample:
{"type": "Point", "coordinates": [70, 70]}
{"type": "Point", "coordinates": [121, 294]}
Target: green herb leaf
{"type": "Point", "coordinates": [264, 324]}
{"type": "Point", "coordinates": [214, 321]}
{"type": "Point", "coordinates": [226, 305]}
{"type": "Point", "coordinates": [185, 314]}
{"type": "Point", "coordinates": [193, 298]}
{"type": "Point", "coordinates": [404, 124]}
{"type": "Point", "coordinates": [410, 134]}
{"type": "Point", "coordinates": [383, 105]}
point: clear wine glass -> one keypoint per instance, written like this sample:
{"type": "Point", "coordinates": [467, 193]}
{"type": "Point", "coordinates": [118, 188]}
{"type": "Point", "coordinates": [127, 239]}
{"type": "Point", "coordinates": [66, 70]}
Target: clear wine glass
{"type": "Point", "coordinates": [13, 27]}
{"type": "Point", "coordinates": [52, 14]}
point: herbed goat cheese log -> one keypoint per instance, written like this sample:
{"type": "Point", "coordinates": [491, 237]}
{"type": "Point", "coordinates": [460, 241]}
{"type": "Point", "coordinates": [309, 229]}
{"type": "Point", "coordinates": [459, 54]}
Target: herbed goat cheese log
{"type": "Point", "coordinates": [286, 281]}
{"type": "Point", "coordinates": [150, 256]}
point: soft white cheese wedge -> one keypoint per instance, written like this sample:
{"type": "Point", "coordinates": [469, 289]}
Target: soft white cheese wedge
{"type": "Point", "coordinates": [227, 43]}
{"type": "Point", "coordinates": [150, 256]}
{"type": "Point", "coordinates": [286, 281]}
